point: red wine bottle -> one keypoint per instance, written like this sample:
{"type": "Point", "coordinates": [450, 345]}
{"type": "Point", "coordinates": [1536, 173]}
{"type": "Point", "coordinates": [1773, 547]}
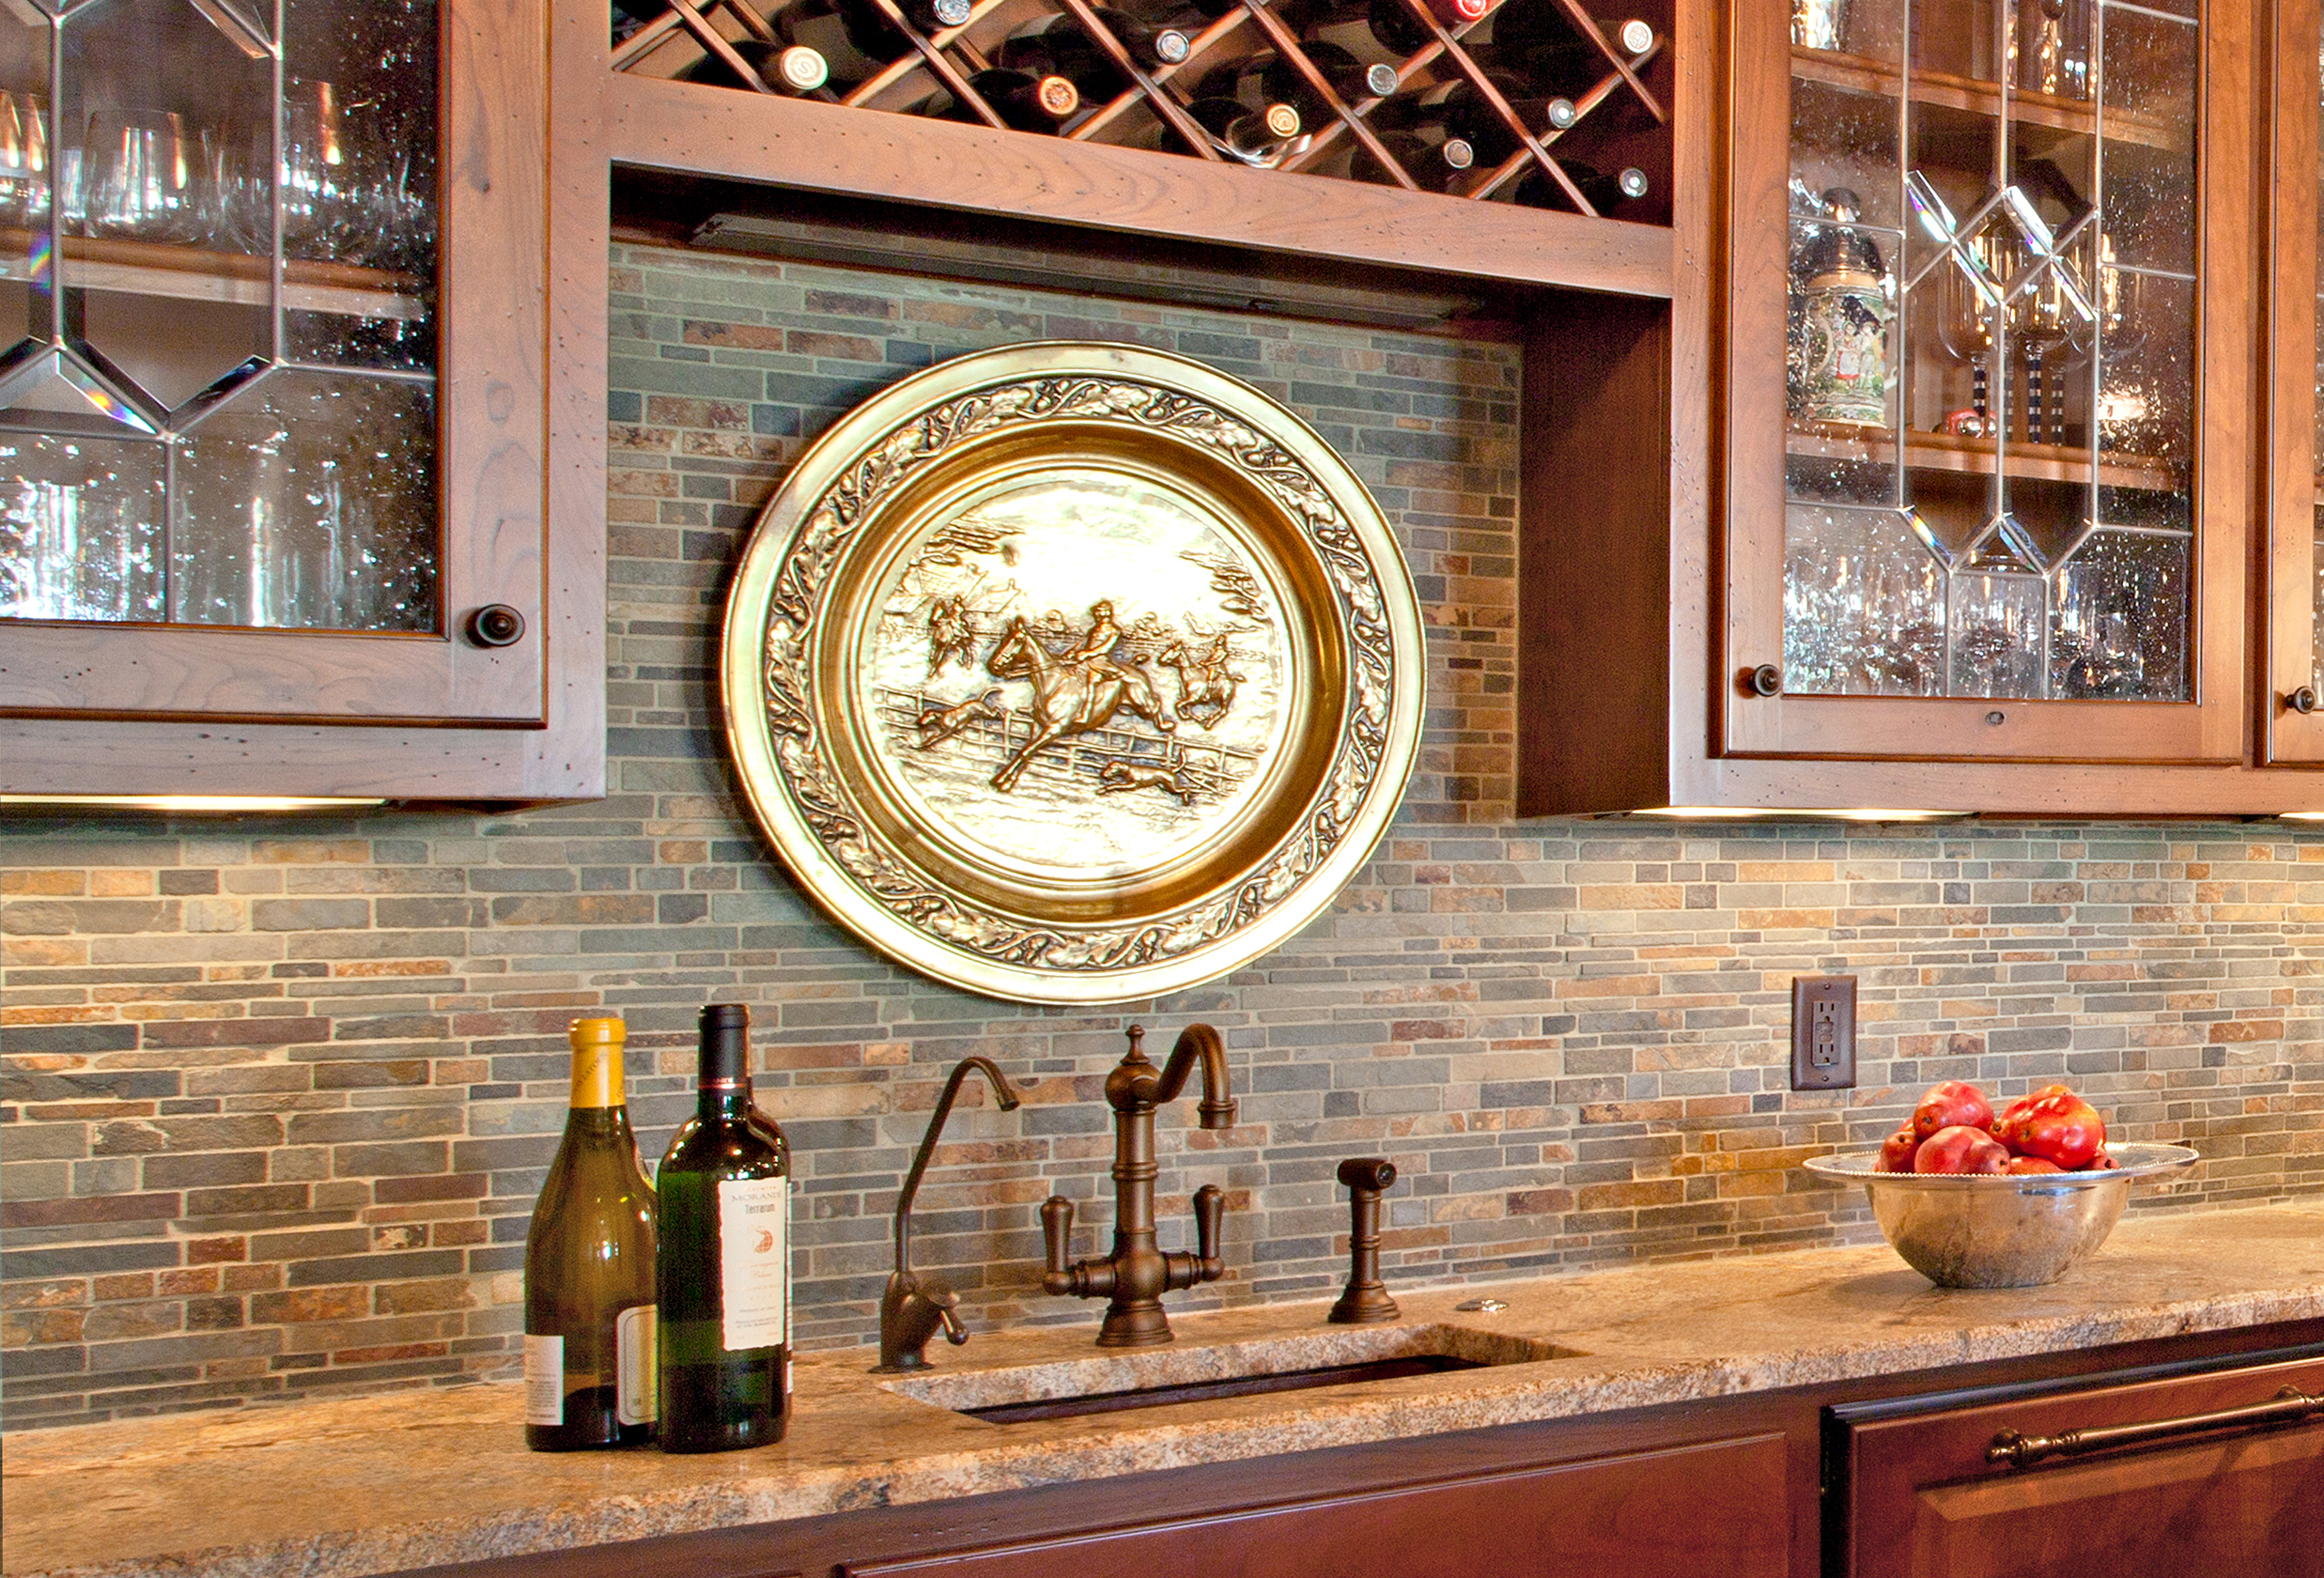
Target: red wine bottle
{"type": "Point", "coordinates": [784, 68]}
{"type": "Point", "coordinates": [723, 1273]}
{"type": "Point", "coordinates": [1281, 82]}
{"type": "Point", "coordinates": [1435, 164]}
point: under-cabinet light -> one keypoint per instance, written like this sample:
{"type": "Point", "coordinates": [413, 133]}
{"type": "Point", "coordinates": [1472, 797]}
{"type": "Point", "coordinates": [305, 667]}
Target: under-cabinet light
{"type": "Point", "coordinates": [1851, 813]}
{"type": "Point", "coordinates": [2300, 816]}
{"type": "Point", "coordinates": [213, 803]}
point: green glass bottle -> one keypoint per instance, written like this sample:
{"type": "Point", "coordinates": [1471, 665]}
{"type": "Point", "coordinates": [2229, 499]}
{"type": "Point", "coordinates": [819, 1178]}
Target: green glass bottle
{"type": "Point", "coordinates": [724, 1270]}
{"type": "Point", "coordinates": [589, 1310]}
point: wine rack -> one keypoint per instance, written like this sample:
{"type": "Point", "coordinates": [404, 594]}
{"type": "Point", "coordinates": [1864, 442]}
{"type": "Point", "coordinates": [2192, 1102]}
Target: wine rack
{"type": "Point", "coordinates": [1615, 114]}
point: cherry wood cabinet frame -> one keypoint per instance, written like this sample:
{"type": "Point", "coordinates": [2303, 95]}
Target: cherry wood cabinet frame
{"type": "Point", "coordinates": [2294, 465]}
{"type": "Point", "coordinates": [1638, 613]}
{"type": "Point", "coordinates": [91, 709]}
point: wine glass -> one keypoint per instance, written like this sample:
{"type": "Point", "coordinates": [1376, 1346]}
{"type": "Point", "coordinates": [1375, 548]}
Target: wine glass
{"type": "Point", "coordinates": [142, 174]}
{"type": "Point", "coordinates": [325, 184]}
{"type": "Point", "coordinates": [1965, 326]}
{"type": "Point", "coordinates": [24, 160]}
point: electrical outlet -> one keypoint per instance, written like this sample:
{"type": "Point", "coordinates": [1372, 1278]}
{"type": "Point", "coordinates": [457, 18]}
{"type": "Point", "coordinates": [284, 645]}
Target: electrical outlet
{"type": "Point", "coordinates": [1824, 1032]}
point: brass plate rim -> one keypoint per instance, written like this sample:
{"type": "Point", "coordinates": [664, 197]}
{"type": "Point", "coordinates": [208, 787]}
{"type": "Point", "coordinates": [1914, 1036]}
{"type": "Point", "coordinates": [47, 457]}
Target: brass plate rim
{"type": "Point", "coordinates": [1375, 621]}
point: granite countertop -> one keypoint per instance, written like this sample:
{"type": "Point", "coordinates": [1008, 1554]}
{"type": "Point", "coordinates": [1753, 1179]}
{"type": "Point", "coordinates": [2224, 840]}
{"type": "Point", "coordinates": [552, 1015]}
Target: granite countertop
{"type": "Point", "coordinates": [380, 1484]}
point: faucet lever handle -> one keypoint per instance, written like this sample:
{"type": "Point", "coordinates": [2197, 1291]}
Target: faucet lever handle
{"type": "Point", "coordinates": [1210, 1211]}
{"type": "Point", "coordinates": [948, 1311]}
{"type": "Point", "coordinates": [1057, 1230]}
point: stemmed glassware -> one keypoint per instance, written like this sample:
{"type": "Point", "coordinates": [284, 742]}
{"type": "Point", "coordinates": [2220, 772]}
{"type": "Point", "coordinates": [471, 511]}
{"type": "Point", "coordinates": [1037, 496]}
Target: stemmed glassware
{"type": "Point", "coordinates": [143, 173]}
{"type": "Point", "coordinates": [1965, 326]}
{"type": "Point", "coordinates": [24, 160]}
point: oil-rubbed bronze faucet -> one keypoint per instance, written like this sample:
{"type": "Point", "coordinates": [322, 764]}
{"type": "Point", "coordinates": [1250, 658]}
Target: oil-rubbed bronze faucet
{"type": "Point", "coordinates": [1138, 1273]}
{"type": "Point", "coordinates": [913, 1306]}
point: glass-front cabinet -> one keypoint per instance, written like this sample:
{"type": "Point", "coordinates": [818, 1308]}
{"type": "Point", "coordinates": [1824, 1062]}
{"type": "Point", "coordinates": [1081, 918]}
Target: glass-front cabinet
{"type": "Point", "coordinates": [2294, 698]}
{"type": "Point", "coordinates": [239, 475]}
{"type": "Point", "coordinates": [1988, 497]}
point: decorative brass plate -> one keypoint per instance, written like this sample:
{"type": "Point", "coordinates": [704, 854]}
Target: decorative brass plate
{"type": "Point", "coordinates": [1073, 672]}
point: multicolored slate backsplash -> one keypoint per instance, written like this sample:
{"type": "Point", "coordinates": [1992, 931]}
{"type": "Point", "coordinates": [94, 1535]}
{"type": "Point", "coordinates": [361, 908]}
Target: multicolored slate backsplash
{"type": "Point", "coordinates": [278, 1093]}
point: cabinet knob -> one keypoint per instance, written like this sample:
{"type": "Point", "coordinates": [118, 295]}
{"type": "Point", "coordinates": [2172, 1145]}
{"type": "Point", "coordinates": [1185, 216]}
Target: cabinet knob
{"type": "Point", "coordinates": [2304, 700]}
{"type": "Point", "coordinates": [496, 624]}
{"type": "Point", "coordinates": [1765, 680]}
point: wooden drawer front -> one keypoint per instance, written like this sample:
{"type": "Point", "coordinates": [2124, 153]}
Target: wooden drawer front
{"type": "Point", "coordinates": [1926, 1503]}
{"type": "Point", "coordinates": [1720, 1507]}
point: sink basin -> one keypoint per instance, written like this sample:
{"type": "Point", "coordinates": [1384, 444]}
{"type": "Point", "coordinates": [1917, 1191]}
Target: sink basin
{"type": "Point", "coordinates": [1107, 1382]}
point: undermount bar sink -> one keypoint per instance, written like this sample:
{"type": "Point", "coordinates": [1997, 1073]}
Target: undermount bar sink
{"type": "Point", "coordinates": [1151, 1378]}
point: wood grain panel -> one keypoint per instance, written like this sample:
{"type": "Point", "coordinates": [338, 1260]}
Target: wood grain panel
{"type": "Point", "coordinates": [1718, 1507]}
{"type": "Point", "coordinates": [800, 142]}
{"type": "Point", "coordinates": [1924, 1503]}
{"type": "Point", "coordinates": [2289, 565]}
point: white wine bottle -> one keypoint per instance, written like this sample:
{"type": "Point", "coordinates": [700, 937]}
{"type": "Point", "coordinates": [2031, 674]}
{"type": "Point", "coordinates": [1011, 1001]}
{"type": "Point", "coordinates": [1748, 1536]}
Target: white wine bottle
{"type": "Point", "coordinates": [724, 1270]}
{"type": "Point", "coordinates": [589, 1348]}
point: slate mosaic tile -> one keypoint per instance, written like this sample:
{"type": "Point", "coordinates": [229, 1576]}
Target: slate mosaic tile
{"type": "Point", "coordinates": [1570, 1036]}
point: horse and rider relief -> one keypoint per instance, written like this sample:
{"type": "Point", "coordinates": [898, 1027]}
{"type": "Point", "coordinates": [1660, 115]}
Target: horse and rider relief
{"type": "Point", "coordinates": [1125, 674]}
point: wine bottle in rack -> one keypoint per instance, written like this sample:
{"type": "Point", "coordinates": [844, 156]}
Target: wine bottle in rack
{"type": "Point", "coordinates": [1028, 100]}
{"type": "Point", "coordinates": [1149, 46]}
{"type": "Point", "coordinates": [1435, 164]}
{"type": "Point", "coordinates": [589, 1358]}
{"type": "Point", "coordinates": [1465, 113]}
{"type": "Point", "coordinates": [858, 36]}
{"type": "Point", "coordinates": [724, 1270]}
{"type": "Point", "coordinates": [1400, 33]}
{"type": "Point", "coordinates": [1605, 192]}
{"type": "Point", "coordinates": [1256, 136]}
{"type": "Point", "coordinates": [784, 68]}
{"type": "Point", "coordinates": [1349, 78]}
{"type": "Point", "coordinates": [1057, 47]}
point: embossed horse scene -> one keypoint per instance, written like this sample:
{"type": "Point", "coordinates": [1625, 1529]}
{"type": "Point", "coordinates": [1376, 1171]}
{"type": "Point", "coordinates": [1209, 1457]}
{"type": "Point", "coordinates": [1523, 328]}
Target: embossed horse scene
{"type": "Point", "coordinates": [1088, 648]}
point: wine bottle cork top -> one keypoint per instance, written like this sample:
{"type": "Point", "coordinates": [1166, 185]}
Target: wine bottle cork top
{"type": "Point", "coordinates": [802, 69]}
{"type": "Point", "coordinates": [607, 1031]}
{"type": "Point", "coordinates": [1282, 120]}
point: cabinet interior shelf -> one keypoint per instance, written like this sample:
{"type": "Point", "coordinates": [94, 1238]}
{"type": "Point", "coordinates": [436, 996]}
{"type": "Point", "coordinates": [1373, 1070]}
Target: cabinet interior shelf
{"type": "Point", "coordinates": [1858, 73]}
{"type": "Point", "coordinates": [1946, 452]}
{"type": "Point", "coordinates": [191, 274]}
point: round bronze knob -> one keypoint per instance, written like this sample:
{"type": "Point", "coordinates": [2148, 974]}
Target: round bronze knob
{"type": "Point", "coordinates": [1997, 719]}
{"type": "Point", "coordinates": [2303, 700]}
{"type": "Point", "coordinates": [496, 624]}
{"type": "Point", "coordinates": [1765, 680]}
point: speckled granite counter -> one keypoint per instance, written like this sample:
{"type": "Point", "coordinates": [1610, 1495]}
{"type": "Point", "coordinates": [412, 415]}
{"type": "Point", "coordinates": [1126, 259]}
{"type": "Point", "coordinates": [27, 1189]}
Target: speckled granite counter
{"type": "Point", "coordinates": [411, 1479]}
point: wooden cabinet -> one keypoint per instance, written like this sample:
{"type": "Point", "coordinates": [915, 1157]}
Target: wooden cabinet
{"type": "Point", "coordinates": [2293, 698]}
{"type": "Point", "coordinates": [311, 422]}
{"type": "Point", "coordinates": [1969, 420]}
{"type": "Point", "coordinates": [1923, 1494]}
{"type": "Point", "coordinates": [1718, 1507]}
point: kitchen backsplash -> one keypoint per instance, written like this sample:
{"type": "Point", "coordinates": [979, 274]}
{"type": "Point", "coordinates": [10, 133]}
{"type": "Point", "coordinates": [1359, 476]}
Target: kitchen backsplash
{"type": "Point", "coordinates": [278, 1093]}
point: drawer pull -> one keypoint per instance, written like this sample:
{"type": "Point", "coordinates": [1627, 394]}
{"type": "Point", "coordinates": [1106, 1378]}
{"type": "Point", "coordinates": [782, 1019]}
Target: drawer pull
{"type": "Point", "coordinates": [2019, 1452]}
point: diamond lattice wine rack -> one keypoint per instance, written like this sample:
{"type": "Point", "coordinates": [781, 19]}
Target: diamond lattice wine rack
{"type": "Point", "coordinates": [1541, 103]}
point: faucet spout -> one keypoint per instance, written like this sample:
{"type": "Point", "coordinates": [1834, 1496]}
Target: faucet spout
{"type": "Point", "coordinates": [1216, 1109]}
{"type": "Point", "coordinates": [913, 1307]}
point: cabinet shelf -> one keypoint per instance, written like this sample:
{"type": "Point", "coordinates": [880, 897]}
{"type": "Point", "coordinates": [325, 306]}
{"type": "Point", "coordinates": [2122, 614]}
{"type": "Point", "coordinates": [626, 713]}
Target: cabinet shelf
{"type": "Point", "coordinates": [1947, 452]}
{"type": "Point", "coordinates": [191, 274]}
{"type": "Point", "coordinates": [1859, 73]}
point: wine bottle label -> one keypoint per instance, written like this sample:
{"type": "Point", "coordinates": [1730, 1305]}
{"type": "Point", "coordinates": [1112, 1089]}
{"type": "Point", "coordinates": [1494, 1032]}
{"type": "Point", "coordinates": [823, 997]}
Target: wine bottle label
{"type": "Point", "coordinates": [635, 1398]}
{"type": "Point", "coordinates": [754, 1260]}
{"type": "Point", "coordinates": [544, 1380]}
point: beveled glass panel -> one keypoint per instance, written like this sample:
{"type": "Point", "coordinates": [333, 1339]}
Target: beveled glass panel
{"type": "Point", "coordinates": [2055, 47]}
{"type": "Point", "coordinates": [2148, 115]}
{"type": "Point", "coordinates": [1959, 38]}
{"type": "Point", "coordinates": [300, 499]}
{"type": "Point", "coordinates": [1870, 29]}
{"type": "Point", "coordinates": [1848, 140]}
{"type": "Point", "coordinates": [309, 500]}
{"type": "Point", "coordinates": [1997, 633]}
{"type": "Point", "coordinates": [2120, 626]}
{"type": "Point", "coordinates": [79, 528]}
{"type": "Point", "coordinates": [2146, 385]}
{"type": "Point", "coordinates": [1863, 605]}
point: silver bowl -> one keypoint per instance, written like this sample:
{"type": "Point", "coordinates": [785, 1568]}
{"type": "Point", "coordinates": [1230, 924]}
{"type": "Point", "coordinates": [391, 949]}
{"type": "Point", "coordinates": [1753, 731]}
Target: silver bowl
{"type": "Point", "coordinates": [2000, 1231]}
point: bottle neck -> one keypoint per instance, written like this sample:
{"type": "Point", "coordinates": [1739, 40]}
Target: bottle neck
{"type": "Point", "coordinates": [723, 1100]}
{"type": "Point", "coordinates": [597, 1075]}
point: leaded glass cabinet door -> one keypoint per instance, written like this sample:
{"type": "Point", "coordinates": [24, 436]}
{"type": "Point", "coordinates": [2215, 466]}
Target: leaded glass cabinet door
{"type": "Point", "coordinates": [1984, 505]}
{"type": "Point", "coordinates": [2294, 698]}
{"type": "Point", "coordinates": [225, 481]}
